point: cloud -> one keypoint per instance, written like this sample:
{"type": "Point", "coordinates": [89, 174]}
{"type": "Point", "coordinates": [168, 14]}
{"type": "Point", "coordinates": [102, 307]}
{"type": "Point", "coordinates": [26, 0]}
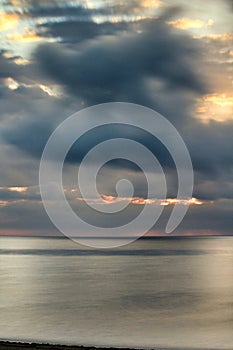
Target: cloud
{"type": "Point", "coordinates": [148, 68]}
{"type": "Point", "coordinates": [110, 54]}
{"type": "Point", "coordinates": [77, 21]}
{"type": "Point", "coordinates": [19, 189]}
{"type": "Point", "coordinates": [208, 217]}
{"type": "Point", "coordinates": [142, 201]}
{"type": "Point", "coordinates": [216, 107]}
{"type": "Point", "coordinates": [8, 68]}
{"type": "Point", "coordinates": [156, 67]}
{"type": "Point", "coordinates": [8, 21]}
{"type": "Point", "coordinates": [112, 69]}
{"type": "Point", "coordinates": [215, 216]}
{"type": "Point", "coordinates": [151, 3]}
{"type": "Point", "coordinates": [210, 147]}
{"type": "Point", "coordinates": [26, 36]}
{"type": "Point", "coordinates": [187, 23]}
{"type": "Point", "coordinates": [74, 31]}
{"type": "Point", "coordinates": [218, 37]}
{"type": "Point", "coordinates": [25, 216]}
{"type": "Point", "coordinates": [50, 9]}
{"type": "Point", "coordinates": [18, 193]}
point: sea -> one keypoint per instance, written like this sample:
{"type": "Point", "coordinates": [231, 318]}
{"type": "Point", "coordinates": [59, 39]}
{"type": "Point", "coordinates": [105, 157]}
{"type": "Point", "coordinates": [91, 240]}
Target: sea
{"type": "Point", "coordinates": [156, 292]}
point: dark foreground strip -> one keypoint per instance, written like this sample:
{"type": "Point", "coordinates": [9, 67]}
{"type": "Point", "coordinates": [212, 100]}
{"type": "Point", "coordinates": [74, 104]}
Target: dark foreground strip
{"type": "Point", "coordinates": [5, 345]}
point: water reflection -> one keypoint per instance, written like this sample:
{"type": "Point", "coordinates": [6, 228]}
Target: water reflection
{"type": "Point", "coordinates": [162, 296]}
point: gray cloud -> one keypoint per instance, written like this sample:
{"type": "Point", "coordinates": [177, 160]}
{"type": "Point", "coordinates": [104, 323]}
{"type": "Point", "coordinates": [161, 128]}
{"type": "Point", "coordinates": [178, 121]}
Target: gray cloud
{"type": "Point", "coordinates": [30, 194]}
{"type": "Point", "coordinates": [209, 217]}
{"type": "Point", "coordinates": [153, 65]}
{"type": "Point", "coordinates": [73, 31]}
{"type": "Point", "coordinates": [120, 68]}
{"type": "Point", "coordinates": [50, 10]}
{"type": "Point", "coordinates": [155, 68]}
{"type": "Point", "coordinates": [116, 68]}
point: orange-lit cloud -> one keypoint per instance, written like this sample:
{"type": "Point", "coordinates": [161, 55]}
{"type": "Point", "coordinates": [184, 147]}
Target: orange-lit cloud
{"type": "Point", "coordinates": [221, 37]}
{"type": "Point", "coordinates": [7, 203]}
{"type": "Point", "coordinates": [151, 3]}
{"type": "Point", "coordinates": [16, 2]}
{"type": "Point", "coordinates": [11, 83]}
{"type": "Point", "coordinates": [21, 61]}
{"type": "Point", "coordinates": [18, 189]}
{"type": "Point", "coordinates": [8, 21]}
{"type": "Point", "coordinates": [218, 107]}
{"type": "Point", "coordinates": [26, 36]}
{"type": "Point", "coordinates": [108, 198]}
{"type": "Point", "coordinates": [143, 201]}
{"type": "Point", "coordinates": [53, 90]}
{"type": "Point", "coordinates": [219, 99]}
{"type": "Point", "coordinates": [48, 90]}
{"type": "Point", "coordinates": [187, 23]}
{"type": "Point", "coordinates": [192, 201]}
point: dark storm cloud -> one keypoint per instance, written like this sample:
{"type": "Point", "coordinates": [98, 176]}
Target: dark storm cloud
{"type": "Point", "coordinates": [29, 115]}
{"type": "Point", "coordinates": [31, 137]}
{"type": "Point", "coordinates": [110, 70]}
{"type": "Point", "coordinates": [75, 22]}
{"type": "Point", "coordinates": [7, 67]}
{"type": "Point", "coordinates": [52, 10]}
{"type": "Point", "coordinates": [25, 215]}
{"type": "Point", "coordinates": [76, 30]}
{"type": "Point", "coordinates": [117, 68]}
{"type": "Point", "coordinates": [72, 23]}
{"type": "Point", "coordinates": [212, 189]}
{"type": "Point", "coordinates": [25, 74]}
{"type": "Point", "coordinates": [209, 217]}
{"type": "Point", "coordinates": [156, 67]}
{"type": "Point", "coordinates": [153, 65]}
{"type": "Point", "coordinates": [215, 216]}
{"type": "Point", "coordinates": [211, 147]}
{"type": "Point", "coordinates": [109, 22]}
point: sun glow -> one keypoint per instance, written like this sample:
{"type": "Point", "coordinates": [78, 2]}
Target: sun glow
{"type": "Point", "coordinates": [221, 37]}
{"type": "Point", "coordinates": [21, 61]}
{"type": "Point", "coordinates": [187, 23]}
{"type": "Point", "coordinates": [218, 107]}
{"type": "Point", "coordinates": [8, 21]}
{"type": "Point", "coordinates": [26, 36]}
{"type": "Point", "coordinates": [18, 189]}
{"type": "Point", "coordinates": [151, 3]}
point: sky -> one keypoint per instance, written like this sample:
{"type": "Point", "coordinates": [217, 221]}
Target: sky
{"type": "Point", "coordinates": [58, 57]}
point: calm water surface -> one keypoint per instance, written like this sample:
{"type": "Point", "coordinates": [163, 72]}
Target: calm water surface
{"type": "Point", "coordinates": [161, 292]}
